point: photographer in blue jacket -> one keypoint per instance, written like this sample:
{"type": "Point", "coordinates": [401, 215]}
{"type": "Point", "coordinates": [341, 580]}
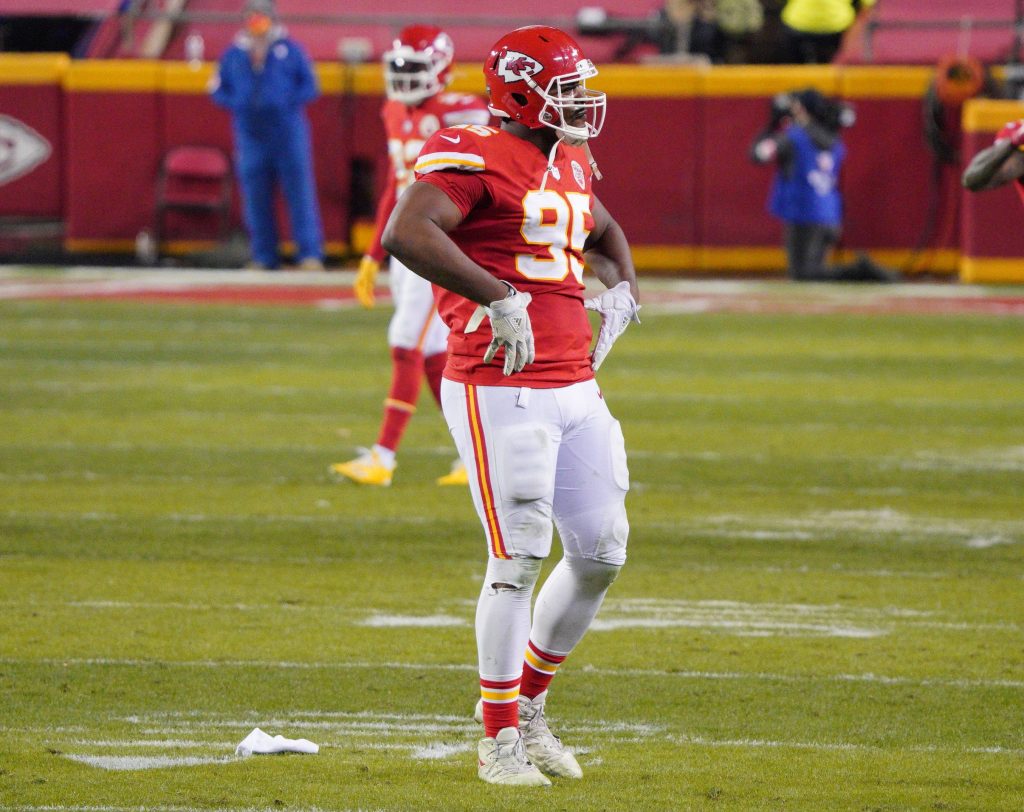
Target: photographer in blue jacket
{"type": "Point", "coordinates": [803, 140]}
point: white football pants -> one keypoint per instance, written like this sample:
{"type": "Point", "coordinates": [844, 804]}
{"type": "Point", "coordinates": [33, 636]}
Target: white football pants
{"type": "Point", "coordinates": [538, 457]}
{"type": "Point", "coordinates": [415, 324]}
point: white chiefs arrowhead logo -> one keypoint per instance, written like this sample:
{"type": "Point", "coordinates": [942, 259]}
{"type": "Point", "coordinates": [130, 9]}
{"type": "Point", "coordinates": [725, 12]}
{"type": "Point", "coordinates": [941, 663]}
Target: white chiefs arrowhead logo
{"type": "Point", "coordinates": [513, 66]}
{"type": "Point", "coordinates": [22, 149]}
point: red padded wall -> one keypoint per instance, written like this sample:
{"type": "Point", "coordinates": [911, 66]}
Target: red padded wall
{"type": "Point", "coordinates": [112, 155]}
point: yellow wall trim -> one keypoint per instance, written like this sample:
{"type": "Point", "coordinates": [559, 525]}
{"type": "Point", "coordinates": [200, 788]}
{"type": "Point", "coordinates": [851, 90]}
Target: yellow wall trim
{"type": "Point", "coordinates": [32, 69]}
{"type": "Point", "coordinates": [114, 76]}
{"type": "Point", "coordinates": [623, 81]}
{"type": "Point", "coordinates": [335, 248]}
{"type": "Point", "coordinates": [988, 115]}
{"type": "Point", "coordinates": [183, 77]}
{"type": "Point", "coordinates": [884, 82]}
{"type": "Point", "coordinates": [665, 257]}
{"type": "Point", "coordinates": [746, 258]}
{"type": "Point", "coordinates": [991, 269]}
{"type": "Point", "coordinates": [99, 246]}
{"type": "Point", "coordinates": [766, 80]}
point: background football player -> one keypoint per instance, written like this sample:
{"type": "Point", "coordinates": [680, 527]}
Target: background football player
{"type": "Point", "coordinates": [502, 220]}
{"type": "Point", "coordinates": [999, 164]}
{"type": "Point", "coordinates": [416, 71]}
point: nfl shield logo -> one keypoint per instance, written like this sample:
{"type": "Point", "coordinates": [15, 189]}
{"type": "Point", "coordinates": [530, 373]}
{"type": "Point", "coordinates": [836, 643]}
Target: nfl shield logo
{"type": "Point", "coordinates": [577, 174]}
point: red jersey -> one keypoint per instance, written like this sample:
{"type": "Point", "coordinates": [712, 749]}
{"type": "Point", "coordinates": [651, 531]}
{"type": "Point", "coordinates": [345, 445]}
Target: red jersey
{"type": "Point", "coordinates": [1006, 132]}
{"type": "Point", "coordinates": [407, 130]}
{"type": "Point", "coordinates": [527, 226]}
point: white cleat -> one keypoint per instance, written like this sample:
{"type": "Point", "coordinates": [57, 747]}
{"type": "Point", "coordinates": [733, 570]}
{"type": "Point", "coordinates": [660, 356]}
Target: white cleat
{"type": "Point", "coordinates": [542, 746]}
{"type": "Point", "coordinates": [503, 761]}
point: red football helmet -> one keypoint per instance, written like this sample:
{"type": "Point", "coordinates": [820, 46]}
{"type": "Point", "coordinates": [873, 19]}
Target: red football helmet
{"type": "Point", "coordinates": [418, 64]}
{"type": "Point", "coordinates": [537, 76]}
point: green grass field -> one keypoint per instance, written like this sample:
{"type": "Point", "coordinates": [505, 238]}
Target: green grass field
{"type": "Point", "coordinates": [823, 607]}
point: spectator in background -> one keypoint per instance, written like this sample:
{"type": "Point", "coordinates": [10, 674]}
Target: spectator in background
{"type": "Point", "coordinates": [741, 22]}
{"type": "Point", "coordinates": [999, 164]}
{"type": "Point", "coordinates": [266, 80]}
{"type": "Point", "coordinates": [686, 32]}
{"type": "Point", "coordinates": [814, 28]}
{"type": "Point", "coordinates": [802, 139]}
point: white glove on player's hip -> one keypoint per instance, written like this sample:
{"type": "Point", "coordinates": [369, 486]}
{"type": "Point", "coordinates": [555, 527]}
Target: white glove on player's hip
{"type": "Point", "coordinates": [617, 308]}
{"type": "Point", "coordinates": [510, 324]}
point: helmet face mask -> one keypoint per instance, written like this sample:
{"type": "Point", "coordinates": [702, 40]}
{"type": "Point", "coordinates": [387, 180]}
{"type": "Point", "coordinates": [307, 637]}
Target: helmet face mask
{"type": "Point", "coordinates": [537, 76]}
{"type": "Point", "coordinates": [572, 109]}
{"type": "Point", "coordinates": [418, 64]}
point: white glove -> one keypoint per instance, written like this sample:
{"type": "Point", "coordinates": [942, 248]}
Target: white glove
{"type": "Point", "coordinates": [617, 308]}
{"type": "Point", "coordinates": [1016, 135]}
{"type": "Point", "coordinates": [510, 324]}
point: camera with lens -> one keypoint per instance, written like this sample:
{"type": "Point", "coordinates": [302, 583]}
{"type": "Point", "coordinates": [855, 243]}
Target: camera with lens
{"type": "Point", "coordinates": [829, 113]}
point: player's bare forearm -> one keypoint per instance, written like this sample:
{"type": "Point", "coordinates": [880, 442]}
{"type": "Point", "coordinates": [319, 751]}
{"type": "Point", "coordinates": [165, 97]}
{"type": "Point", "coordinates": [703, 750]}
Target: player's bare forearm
{"type": "Point", "coordinates": [607, 252]}
{"type": "Point", "coordinates": [417, 235]}
{"type": "Point", "coordinates": [994, 166]}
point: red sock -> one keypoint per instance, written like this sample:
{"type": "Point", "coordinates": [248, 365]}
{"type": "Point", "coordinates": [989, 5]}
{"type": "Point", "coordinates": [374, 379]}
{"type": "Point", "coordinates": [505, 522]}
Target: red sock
{"type": "Point", "coordinates": [433, 365]}
{"type": "Point", "coordinates": [400, 404]}
{"type": "Point", "coordinates": [538, 670]}
{"type": "Point", "coordinates": [501, 704]}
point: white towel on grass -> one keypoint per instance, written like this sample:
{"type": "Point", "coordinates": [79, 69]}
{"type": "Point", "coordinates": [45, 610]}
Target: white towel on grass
{"type": "Point", "coordinates": [260, 743]}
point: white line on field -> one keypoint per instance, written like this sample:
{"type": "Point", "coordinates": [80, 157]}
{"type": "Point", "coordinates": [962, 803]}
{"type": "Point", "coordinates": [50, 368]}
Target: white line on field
{"type": "Point", "coordinates": [880, 679]}
{"type": "Point", "coordinates": [165, 808]}
{"type": "Point", "coordinates": [439, 750]}
{"type": "Point", "coordinates": [146, 762]}
{"type": "Point", "coordinates": [739, 618]}
{"type": "Point", "coordinates": [401, 621]}
{"type": "Point", "coordinates": [769, 743]}
{"type": "Point", "coordinates": [883, 526]}
{"type": "Point", "coordinates": [349, 730]}
{"type": "Point", "coordinates": [170, 744]}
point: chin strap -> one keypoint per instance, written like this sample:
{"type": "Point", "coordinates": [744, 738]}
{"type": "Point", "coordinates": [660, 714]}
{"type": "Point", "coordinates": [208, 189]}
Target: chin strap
{"type": "Point", "coordinates": [551, 159]}
{"type": "Point", "coordinates": [551, 164]}
{"type": "Point", "coordinates": [591, 161]}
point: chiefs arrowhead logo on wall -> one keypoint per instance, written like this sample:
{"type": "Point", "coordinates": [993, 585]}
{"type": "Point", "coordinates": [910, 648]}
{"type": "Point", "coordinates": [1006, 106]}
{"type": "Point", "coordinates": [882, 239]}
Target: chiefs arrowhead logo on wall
{"type": "Point", "coordinates": [22, 149]}
{"type": "Point", "coordinates": [513, 66]}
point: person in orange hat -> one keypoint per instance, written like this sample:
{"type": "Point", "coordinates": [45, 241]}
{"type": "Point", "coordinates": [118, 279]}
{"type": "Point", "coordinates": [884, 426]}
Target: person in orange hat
{"type": "Point", "coordinates": [265, 79]}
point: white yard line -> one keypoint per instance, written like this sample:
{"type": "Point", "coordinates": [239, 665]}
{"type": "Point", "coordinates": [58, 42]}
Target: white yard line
{"type": "Point", "coordinates": [742, 618]}
{"type": "Point", "coordinates": [841, 746]}
{"type": "Point", "coordinates": [656, 673]}
{"type": "Point", "coordinates": [119, 763]}
{"type": "Point", "coordinates": [167, 808]}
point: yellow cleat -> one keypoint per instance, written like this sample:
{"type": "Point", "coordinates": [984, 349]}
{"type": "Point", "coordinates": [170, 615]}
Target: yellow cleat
{"type": "Point", "coordinates": [458, 476]}
{"type": "Point", "coordinates": [366, 469]}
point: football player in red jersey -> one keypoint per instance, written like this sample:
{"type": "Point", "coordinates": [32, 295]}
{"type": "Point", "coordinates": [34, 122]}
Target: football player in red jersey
{"type": "Point", "coordinates": [502, 220]}
{"type": "Point", "coordinates": [416, 71]}
{"type": "Point", "coordinates": [1001, 163]}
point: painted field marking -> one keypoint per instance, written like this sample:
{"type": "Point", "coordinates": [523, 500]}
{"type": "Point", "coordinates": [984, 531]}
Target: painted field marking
{"type": "Point", "coordinates": [656, 673]}
{"type": "Point", "coordinates": [166, 808]}
{"type": "Point", "coordinates": [841, 746]}
{"type": "Point", "coordinates": [414, 621]}
{"type": "Point", "coordinates": [460, 734]}
{"type": "Point", "coordinates": [726, 616]}
{"type": "Point", "coordinates": [145, 762]}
